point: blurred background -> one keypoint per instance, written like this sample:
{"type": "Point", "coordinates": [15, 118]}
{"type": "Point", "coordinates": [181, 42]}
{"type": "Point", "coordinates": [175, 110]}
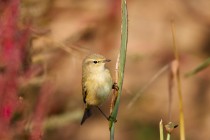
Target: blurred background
{"type": "Point", "coordinates": [46, 97]}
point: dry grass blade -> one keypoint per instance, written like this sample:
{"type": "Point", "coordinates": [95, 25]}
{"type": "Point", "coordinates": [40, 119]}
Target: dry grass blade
{"type": "Point", "coordinates": [149, 83]}
{"type": "Point", "coordinates": [172, 76]}
{"type": "Point", "coordinates": [178, 82]}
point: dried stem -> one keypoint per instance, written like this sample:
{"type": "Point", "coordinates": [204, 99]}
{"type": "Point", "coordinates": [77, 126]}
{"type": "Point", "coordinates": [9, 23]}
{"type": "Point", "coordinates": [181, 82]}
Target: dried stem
{"type": "Point", "coordinates": [178, 82]}
{"type": "Point", "coordinates": [115, 92]}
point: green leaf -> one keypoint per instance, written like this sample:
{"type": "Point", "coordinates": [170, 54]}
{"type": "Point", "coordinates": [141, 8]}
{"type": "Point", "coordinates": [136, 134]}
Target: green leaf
{"type": "Point", "coordinates": [201, 67]}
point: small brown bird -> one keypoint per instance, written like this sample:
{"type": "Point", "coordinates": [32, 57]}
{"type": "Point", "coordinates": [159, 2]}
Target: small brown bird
{"type": "Point", "coordinates": [96, 83]}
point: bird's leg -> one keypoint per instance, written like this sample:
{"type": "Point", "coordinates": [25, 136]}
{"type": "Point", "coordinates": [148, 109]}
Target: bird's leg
{"type": "Point", "coordinates": [103, 113]}
{"type": "Point", "coordinates": [114, 98]}
{"type": "Point", "coordinates": [108, 118]}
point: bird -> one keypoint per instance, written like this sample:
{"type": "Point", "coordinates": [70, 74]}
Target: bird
{"type": "Point", "coordinates": [96, 83]}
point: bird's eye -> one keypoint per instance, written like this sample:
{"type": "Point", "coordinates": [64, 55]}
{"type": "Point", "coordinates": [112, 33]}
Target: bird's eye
{"type": "Point", "coordinates": [95, 62]}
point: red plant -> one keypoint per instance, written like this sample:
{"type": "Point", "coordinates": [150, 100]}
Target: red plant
{"type": "Point", "coordinates": [41, 112]}
{"type": "Point", "coordinates": [12, 49]}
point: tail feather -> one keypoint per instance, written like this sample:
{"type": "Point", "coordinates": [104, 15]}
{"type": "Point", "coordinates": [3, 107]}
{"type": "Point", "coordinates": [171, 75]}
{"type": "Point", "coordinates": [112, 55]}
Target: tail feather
{"type": "Point", "coordinates": [87, 114]}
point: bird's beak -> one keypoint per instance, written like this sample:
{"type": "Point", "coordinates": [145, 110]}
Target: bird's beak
{"type": "Point", "coordinates": [107, 60]}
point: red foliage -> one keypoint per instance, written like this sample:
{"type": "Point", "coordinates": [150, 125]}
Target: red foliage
{"type": "Point", "coordinates": [12, 46]}
{"type": "Point", "coordinates": [41, 112]}
{"type": "Point", "coordinates": [10, 60]}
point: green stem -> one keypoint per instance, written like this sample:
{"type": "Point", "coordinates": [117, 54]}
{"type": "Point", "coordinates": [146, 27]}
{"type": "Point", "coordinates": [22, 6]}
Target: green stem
{"type": "Point", "coordinates": [121, 65]}
{"type": "Point", "coordinates": [112, 132]}
{"type": "Point", "coordinates": [161, 130]}
{"type": "Point", "coordinates": [168, 136]}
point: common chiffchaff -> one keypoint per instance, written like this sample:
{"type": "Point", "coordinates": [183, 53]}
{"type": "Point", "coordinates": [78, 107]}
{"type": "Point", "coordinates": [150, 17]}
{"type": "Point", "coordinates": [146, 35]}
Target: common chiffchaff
{"type": "Point", "coordinates": [96, 82]}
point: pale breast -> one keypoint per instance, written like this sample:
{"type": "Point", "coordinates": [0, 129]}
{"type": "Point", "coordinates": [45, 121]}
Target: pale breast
{"type": "Point", "coordinates": [99, 87]}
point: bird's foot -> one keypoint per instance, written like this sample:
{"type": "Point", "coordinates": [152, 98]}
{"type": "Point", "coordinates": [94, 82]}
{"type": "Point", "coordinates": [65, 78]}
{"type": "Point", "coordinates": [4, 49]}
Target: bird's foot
{"type": "Point", "coordinates": [115, 86]}
{"type": "Point", "coordinates": [110, 118]}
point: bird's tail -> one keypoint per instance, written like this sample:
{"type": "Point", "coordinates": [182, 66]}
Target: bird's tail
{"type": "Point", "coordinates": [87, 114]}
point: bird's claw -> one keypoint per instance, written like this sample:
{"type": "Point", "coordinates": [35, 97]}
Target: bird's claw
{"type": "Point", "coordinates": [115, 86]}
{"type": "Point", "coordinates": [110, 118]}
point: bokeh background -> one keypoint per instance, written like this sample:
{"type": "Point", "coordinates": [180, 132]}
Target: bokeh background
{"type": "Point", "coordinates": [58, 34]}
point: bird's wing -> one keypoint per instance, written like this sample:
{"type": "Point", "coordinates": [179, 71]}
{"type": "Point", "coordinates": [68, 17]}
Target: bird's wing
{"type": "Point", "coordinates": [84, 93]}
{"type": "Point", "coordinates": [84, 90]}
